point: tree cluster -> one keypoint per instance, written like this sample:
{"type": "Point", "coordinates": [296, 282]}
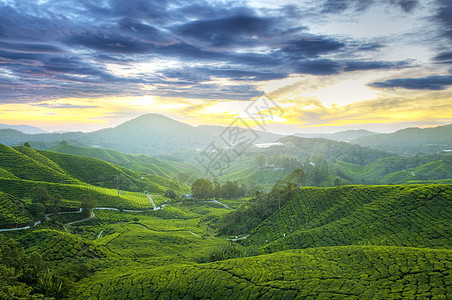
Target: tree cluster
{"type": "Point", "coordinates": [203, 189]}
{"type": "Point", "coordinates": [258, 209]}
{"type": "Point", "coordinates": [42, 202]}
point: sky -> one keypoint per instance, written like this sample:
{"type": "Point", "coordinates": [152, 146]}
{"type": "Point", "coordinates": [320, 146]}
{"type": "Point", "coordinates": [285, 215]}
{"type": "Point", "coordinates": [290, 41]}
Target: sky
{"type": "Point", "coordinates": [326, 65]}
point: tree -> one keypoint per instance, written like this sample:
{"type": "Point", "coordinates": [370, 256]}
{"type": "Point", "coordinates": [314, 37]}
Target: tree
{"type": "Point", "coordinates": [230, 190]}
{"type": "Point", "coordinates": [37, 209]}
{"type": "Point", "coordinates": [216, 190]}
{"type": "Point", "coordinates": [297, 176]}
{"type": "Point", "coordinates": [170, 194]}
{"type": "Point", "coordinates": [87, 204]}
{"type": "Point", "coordinates": [40, 195]}
{"type": "Point", "coordinates": [201, 189]}
{"type": "Point", "coordinates": [27, 144]}
{"type": "Point", "coordinates": [117, 182]}
{"type": "Point", "coordinates": [56, 202]}
{"type": "Point", "coordinates": [260, 160]}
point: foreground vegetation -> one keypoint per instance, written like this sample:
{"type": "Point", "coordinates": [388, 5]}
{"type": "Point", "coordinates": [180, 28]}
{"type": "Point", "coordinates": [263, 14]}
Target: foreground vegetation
{"type": "Point", "coordinates": [344, 242]}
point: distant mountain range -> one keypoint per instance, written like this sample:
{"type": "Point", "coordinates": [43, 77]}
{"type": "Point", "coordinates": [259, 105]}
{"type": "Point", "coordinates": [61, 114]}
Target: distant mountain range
{"type": "Point", "coordinates": [342, 136]}
{"type": "Point", "coordinates": [156, 134]}
{"type": "Point", "coordinates": [24, 128]}
{"type": "Point", "coordinates": [411, 140]}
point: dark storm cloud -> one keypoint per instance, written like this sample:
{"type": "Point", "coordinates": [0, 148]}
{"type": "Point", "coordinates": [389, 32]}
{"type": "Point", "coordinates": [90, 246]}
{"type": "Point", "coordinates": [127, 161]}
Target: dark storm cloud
{"type": "Point", "coordinates": [425, 83]}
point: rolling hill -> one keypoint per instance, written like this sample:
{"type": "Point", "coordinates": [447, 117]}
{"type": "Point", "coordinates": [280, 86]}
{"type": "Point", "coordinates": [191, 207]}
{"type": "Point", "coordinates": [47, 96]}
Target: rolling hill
{"type": "Point", "coordinates": [319, 273]}
{"type": "Point", "coordinates": [358, 242]}
{"type": "Point", "coordinates": [12, 211]}
{"type": "Point", "coordinates": [22, 166]}
{"type": "Point", "coordinates": [397, 170]}
{"type": "Point", "coordinates": [139, 163]}
{"type": "Point", "coordinates": [404, 216]}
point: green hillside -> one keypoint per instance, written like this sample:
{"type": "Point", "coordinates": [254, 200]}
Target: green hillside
{"type": "Point", "coordinates": [409, 216]}
{"type": "Point", "coordinates": [319, 273]}
{"type": "Point", "coordinates": [46, 166]}
{"type": "Point", "coordinates": [354, 242]}
{"type": "Point", "coordinates": [6, 174]}
{"type": "Point", "coordinates": [28, 168]}
{"type": "Point", "coordinates": [12, 211]}
{"type": "Point", "coordinates": [55, 245]}
{"type": "Point", "coordinates": [397, 170]}
{"type": "Point", "coordinates": [73, 194]}
{"type": "Point", "coordinates": [91, 170]}
{"type": "Point", "coordinates": [139, 163]}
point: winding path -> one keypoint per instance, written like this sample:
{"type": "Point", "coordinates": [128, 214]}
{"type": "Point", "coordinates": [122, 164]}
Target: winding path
{"type": "Point", "coordinates": [92, 215]}
{"type": "Point", "coordinates": [152, 202]}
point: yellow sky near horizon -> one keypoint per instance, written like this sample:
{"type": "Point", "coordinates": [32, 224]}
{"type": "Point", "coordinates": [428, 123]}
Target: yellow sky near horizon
{"type": "Point", "coordinates": [309, 103]}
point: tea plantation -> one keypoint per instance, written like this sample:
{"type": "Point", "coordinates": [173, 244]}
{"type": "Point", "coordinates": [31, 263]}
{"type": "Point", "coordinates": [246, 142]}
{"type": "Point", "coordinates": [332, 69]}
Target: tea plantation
{"type": "Point", "coordinates": [354, 272]}
{"type": "Point", "coordinates": [344, 242]}
{"type": "Point", "coordinates": [412, 216]}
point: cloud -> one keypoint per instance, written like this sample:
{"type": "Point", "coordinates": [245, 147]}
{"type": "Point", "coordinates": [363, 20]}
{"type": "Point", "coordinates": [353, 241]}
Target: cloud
{"type": "Point", "coordinates": [108, 42]}
{"type": "Point", "coordinates": [425, 83]}
{"type": "Point", "coordinates": [210, 91]}
{"type": "Point", "coordinates": [318, 67]}
{"type": "Point", "coordinates": [311, 46]}
{"type": "Point", "coordinates": [338, 6]}
{"type": "Point", "coordinates": [444, 17]}
{"type": "Point", "coordinates": [375, 65]}
{"type": "Point", "coordinates": [199, 74]}
{"type": "Point", "coordinates": [64, 105]}
{"type": "Point", "coordinates": [228, 32]}
{"type": "Point", "coordinates": [56, 48]}
{"type": "Point", "coordinates": [311, 112]}
{"type": "Point", "coordinates": [30, 48]}
{"type": "Point", "coordinates": [444, 57]}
